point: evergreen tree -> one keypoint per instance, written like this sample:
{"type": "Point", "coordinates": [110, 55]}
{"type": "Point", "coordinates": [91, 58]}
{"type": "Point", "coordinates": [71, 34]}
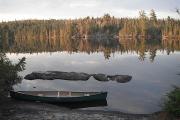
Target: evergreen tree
{"type": "Point", "coordinates": [153, 16]}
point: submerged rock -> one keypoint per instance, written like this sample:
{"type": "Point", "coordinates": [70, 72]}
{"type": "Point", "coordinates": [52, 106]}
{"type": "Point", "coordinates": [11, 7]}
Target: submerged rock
{"type": "Point", "coordinates": [100, 77]}
{"type": "Point", "coordinates": [120, 78]}
{"type": "Point", "coordinates": [51, 75]}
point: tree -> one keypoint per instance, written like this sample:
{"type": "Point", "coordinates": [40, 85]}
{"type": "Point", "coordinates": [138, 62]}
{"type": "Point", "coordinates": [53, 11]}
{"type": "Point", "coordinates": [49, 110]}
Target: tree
{"type": "Point", "coordinates": [142, 14]}
{"type": "Point", "coordinates": [9, 74]}
{"type": "Point", "coordinates": [153, 16]}
{"type": "Point", "coordinates": [178, 11]}
{"type": "Point", "coordinates": [143, 22]}
{"type": "Point", "coordinates": [107, 16]}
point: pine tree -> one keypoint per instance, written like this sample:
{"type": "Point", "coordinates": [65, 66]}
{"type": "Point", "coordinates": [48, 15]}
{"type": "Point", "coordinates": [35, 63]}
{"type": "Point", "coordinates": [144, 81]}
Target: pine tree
{"type": "Point", "coordinates": [153, 16]}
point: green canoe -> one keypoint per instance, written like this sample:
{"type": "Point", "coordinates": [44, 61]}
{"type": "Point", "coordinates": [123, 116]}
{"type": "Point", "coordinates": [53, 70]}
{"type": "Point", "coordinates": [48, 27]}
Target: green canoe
{"type": "Point", "coordinates": [58, 96]}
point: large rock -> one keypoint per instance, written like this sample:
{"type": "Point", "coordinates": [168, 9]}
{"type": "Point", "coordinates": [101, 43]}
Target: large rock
{"type": "Point", "coordinates": [100, 77]}
{"type": "Point", "coordinates": [120, 78]}
{"type": "Point", "coordinates": [51, 75]}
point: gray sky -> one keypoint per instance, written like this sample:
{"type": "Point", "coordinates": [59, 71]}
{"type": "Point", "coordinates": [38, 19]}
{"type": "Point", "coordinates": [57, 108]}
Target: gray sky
{"type": "Point", "coordinates": [60, 9]}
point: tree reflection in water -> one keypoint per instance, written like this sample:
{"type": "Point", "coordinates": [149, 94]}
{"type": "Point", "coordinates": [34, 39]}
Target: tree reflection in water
{"type": "Point", "coordinates": [9, 74]}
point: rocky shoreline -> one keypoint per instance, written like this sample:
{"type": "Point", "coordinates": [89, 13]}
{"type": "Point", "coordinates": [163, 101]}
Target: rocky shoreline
{"type": "Point", "coordinates": [21, 110]}
{"type": "Point", "coordinates": [51, 75]}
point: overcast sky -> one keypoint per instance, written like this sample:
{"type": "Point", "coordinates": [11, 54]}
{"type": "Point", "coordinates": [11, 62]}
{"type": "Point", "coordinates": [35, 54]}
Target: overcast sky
{"type": "Point", "coordinates": [60, 9]}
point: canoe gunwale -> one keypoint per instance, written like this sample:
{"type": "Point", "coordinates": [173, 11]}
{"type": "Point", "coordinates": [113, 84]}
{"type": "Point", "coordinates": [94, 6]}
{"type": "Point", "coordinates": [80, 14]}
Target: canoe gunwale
{"type": "Point", "coordinates": [21, 92]}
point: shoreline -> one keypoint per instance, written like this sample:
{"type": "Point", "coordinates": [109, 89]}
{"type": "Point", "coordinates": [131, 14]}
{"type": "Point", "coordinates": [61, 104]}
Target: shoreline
{"type": "Point", "coordinates": [22, 110]}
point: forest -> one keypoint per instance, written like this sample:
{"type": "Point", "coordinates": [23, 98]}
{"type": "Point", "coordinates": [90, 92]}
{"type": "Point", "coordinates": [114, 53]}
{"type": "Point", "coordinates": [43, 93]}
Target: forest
{"type": "Point", "coordinates": [106, 33]}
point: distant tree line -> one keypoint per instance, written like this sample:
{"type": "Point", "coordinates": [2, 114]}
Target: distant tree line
{"type": "Point", "coordinates": [50, 30]}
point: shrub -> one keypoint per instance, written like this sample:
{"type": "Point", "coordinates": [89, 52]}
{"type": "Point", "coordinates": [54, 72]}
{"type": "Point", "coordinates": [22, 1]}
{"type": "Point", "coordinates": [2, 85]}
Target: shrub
{"type": "Point", "coordinates": [172, 103]}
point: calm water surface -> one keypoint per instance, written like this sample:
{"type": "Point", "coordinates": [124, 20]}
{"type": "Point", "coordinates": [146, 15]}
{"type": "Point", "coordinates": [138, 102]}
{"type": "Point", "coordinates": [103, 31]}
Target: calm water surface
{"type": "Point", "coordinates": [143, 94]}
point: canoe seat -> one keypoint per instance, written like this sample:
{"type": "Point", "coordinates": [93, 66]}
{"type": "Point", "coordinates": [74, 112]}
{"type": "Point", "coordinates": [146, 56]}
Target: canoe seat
{"type": "Point", "coordinates": [40, 94]}
{"type": "Point", "coordinates": [63, 93]}
{"type": "Point", "coordinates": [86, 94]}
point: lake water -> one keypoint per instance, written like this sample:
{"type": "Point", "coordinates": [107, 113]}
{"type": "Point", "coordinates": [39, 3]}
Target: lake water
{"type": "Point", "coordinates": [151, 80]}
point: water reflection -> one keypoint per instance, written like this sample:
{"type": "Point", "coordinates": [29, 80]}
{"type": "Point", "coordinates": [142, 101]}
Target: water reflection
{"type": "Point", "coordinates": [143, 94]}
{"type": "Point", "coordinates": [152, 64]}
{"type": "Point", "coordinates": [107, 46]}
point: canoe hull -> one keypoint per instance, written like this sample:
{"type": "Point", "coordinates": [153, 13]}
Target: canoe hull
{"type": "Point", "coordinates": [26, 97]}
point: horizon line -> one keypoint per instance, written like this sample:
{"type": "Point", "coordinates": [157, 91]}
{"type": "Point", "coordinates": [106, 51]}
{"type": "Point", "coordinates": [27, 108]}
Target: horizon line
{"type": "Point", "coordinates": [78, 18]}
